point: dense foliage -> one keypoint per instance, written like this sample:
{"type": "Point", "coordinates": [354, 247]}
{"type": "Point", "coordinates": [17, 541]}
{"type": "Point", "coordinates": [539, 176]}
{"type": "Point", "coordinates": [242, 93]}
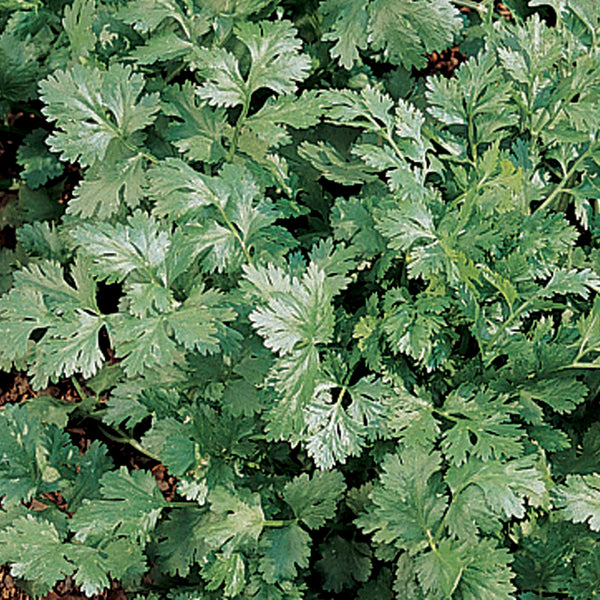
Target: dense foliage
{"type": "Point", "coordinates": [351, 307]}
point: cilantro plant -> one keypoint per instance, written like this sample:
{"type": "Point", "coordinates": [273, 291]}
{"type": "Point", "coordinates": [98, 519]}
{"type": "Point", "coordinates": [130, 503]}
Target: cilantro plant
{"type": "Point", "coordinates": [352, 308]}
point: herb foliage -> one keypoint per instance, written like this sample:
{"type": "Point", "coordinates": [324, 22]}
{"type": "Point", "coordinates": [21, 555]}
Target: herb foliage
{"type": "Point", "coordinates": [356, 308]}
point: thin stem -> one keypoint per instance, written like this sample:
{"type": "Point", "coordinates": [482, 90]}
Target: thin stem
{"type": "Point", "coordinates": [235, 232]}
{"type": "Point", "coordinates": [78, 388]}
{"type": "Point", "coordinates": [471, 136]}
{"type": "Point", "coordinates": [175, 72]}
{"type": "Point", "coordinates": [580, 365]}
{"type": "Point", "coordinates": [182, 505]}
{"type": "Point", "coordinates": [281, 523]}
{"type": "Point", "coordinates": [509, 322]}
{"type": "Point", "coordinates": [122, 438]}
{"type": "Point", "coordinates": [238, 128]}
{"type": "Point", "coordinates": [565, 180]}
{"type": "Point", "coordinates": [129, 146]}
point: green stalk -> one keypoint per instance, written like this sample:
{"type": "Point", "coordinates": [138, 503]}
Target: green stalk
{"type": "Point", "coordinates": [238, 128]}
{"type": "Point", "coordinates": [123, 438]}
{"type": "Point", "coordinates": [281, 523]}
{"type": "Point", "coordinates": [565, 180]}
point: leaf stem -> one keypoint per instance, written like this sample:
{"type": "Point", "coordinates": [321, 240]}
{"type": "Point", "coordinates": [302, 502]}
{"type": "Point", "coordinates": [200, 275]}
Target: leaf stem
{"type": "Point", "coordinates": [565, 180]}
{"type": "Point", "coordinates": [280, 523]}
{"type": "Point", "coordinates": [580, 365]}
{"type": "Point", "coordinates": [471, 136]}
{"type": "Point", "coordinates": [509, 321]}
{"type": "Point", "coordinates": [123, 438]}
{"type": "Point", "coordinates": [235, 232]}
{"type": "Point", "coordinates": [238, 128]}
{"type": "Point", "coordinates": [78, 388]}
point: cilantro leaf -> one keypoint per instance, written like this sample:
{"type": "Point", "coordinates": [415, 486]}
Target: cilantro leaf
{"type": "Point", "coordinates": [342, 563]}
{"type": "Point", "coordinates": [199, 129]}
{"type": "Point", "coordinates": [314, 500]}
{"type": "Point", "coordinates": [34, 458]}
{"type": "Point", "coordinates": [228, 570]}
{"type": "Point", "coordinates": [505, 486]}
{"type": "Point", "coordinates": [578, 499]}
{"type": "Point", "coordinates": [38, 163]}
{"type": "Point", "coordinates": [130, 506]}
{"type": "Point", "coordinates": [93, 108]}
{"type": "Point", "coordinates": [346, 24]}
{"type": "Point", "coordinates": [297, 310]}
{"type": "Point", "coordinates": [406, 30]}
{"type": "Point", "coordinates": [276, 62]}
{"type": "Point", "coordinates": [35, 549]}
{"type": "Point", "coordinates": [409, 501]}
{"type": "Point", "coordinates": [285, 551]}
{"type": "Point", "coordinates": [67, 316]}
{"type": "Point", "coordinates": [481, 426]}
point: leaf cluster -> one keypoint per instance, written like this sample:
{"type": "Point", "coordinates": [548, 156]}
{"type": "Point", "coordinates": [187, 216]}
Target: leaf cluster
{"type": "Point", "coordinates": [351, 309]}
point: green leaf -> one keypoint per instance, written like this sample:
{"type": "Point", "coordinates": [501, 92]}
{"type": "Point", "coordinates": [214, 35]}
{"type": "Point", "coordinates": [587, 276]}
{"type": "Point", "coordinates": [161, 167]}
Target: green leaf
{"type": "Point", "coordinates": [314, 500]}
{"type": "Point", "coordinates": [409, 502]}
{"type": "Point", "coordinates": [19, 70]}
{"type": "Point", "coordinates": [41, 301]}
{"type": "Point", "coordinates": [34, 458]}
{"type": "Point", "coordinates": [43, 240]}
{"type": "Point", "coordinates": [335, 432]}
{"type": "Point", "coordinates": [285, 551]}
{"type": "Point", "coordinates": [92, 466]}
{"type": "Point", "coordinates": [412, 419]}
{"type": "Point", "coordinates": [77, 22]}
{"type": "Point", "coordinates": [275, 52]}
{"type": "Point", "coordinates": [130, 506]}
{"type": "Point", "coordinates": [561, 394]}
{"type": "Point", "coordinates": [478, 96]}
{"type": "Point", "coordinates": [117, 251]}
{"type": "Point", "coordinates": [297, 311]}
{"type": "Point", "coordinates": [147, 15]}
{"type": "Point", "coordinates": [36, 552]}
{"type": "Point", "coordinates": [353, 223]}
{"type": "Point", "coordinates": [488, 574]}
{"type": "Point", "coordinates": [107, 187]}
{"type": "Point", "coordinates": [342, 563]}
{"type": "Point", "coordinates": [481, 426]}
{"type": "Point", "coordinates": [225, 85]}
{"type": "Point", "coordinates": [198, 130]}
{"type": "Point", "coordinates": [269, 123]}
{"type": "Point", "coordinates": [346, 24]}
{"type": "Point", "coordinates": [440, 570]}
{"type": "Point", "coordinates": [407, 224]}
{"type": "Point", "coordinates": [416, 327]}
{"type": "Point", "coordinates": [579, 499]}
{"type": "Point", "coordinates": [233, 518]}
{"type": "Point", "coordinates": [505, 485]}
{"type": "Point", "coordinates": [39, 165]}
{"type": "Point", "coordinates": [405, 30]}
{"type": "Point", "coordinates": [227, 570]}
{"type": "Point", "coordinates": [182, 543]}
{"type": "Point", "coordinates": [120, 559]}
{"type": "Point", "coordinates": [93, 108]}
{"type": "Point", "coordinates": [333, 165]}
{"type": "Point", "coordinates": [173, 442]}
